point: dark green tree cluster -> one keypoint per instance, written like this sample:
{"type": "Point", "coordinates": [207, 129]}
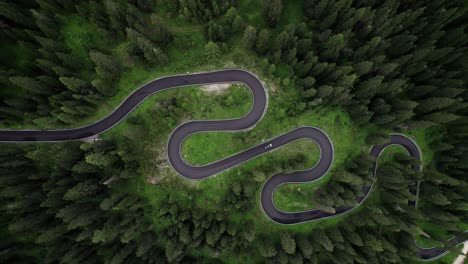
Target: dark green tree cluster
{"type": "Point", "coordinates": [345, 185]}
{"type": "Point", "coordinates": [443, 196]}
{"type": "Point", "coordinates": [398, 65]}
{"type": "Point", "coordinates": [376, 233]}
{"type": "Point", "coordinates": [67, 211]}
{"type": "Point", "coordinates": [61, 85]}
{"type": "Point", "coordinates": [71, 211]}
{"type": "Point", "coordinates": [231, 24]}
{"type": "Point", "coordinates": [272, 11]}
{"type": "Point", "coordinates": [199, 11]}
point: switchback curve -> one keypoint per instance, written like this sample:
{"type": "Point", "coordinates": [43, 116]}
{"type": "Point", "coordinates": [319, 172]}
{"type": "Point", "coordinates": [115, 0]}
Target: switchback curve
{"type": "Point", "coordinates": [248, 121]}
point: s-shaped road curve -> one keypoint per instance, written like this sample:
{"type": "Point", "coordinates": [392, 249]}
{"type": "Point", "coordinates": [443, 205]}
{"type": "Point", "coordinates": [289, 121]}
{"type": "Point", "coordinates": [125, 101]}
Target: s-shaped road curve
{"type": "Point", "coordinates": [248, 121]}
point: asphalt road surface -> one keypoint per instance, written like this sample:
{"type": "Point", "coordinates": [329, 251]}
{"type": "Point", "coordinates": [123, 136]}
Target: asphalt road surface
{"type": "Point", "coordinates": [260, 102]}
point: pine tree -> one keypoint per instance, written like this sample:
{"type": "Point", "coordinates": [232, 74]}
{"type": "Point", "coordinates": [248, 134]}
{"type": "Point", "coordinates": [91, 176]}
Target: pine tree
{"type": "Point", "coordinates": [216, 9]}
{"type": "Point", "coordinates": [354, 238]}
{"type": "Point", "coordinates": [359, 113]}
{"type": "Point", "coordinates": [231, 15]}
{"type": "Point", "coordinates": [323, 240]}
{"type": "Point", "coordinates": [106, 66]}
{"type": "Point", "coordinates": [70, 61]}
{"type": "Point", "coordinates": [325, 91]}
{"type": "Point", "coordinates": [368, 88]}
{"type": "Point", "coordinates": [347, 177]}
{"type": "Point", "coordinates": [81, 190]}
{"type": "Point", "coordinates": [238, 24]}
{"type": "Point", "coordinates": [440, 117]}
{"type": "Point", "coordinates": [174, 251]}
{"type": "Point", "coordinates": [250, 37]}
{"type": "Point", "coordinates": [266, 248]}
{"type": "Point", "coordinates": [99, 159]}
{"type": "Point", "coordinates": [363, 67]}
{"type": "Point", "coordinates": [51, 234]}
{"type": "Point", "coordinates": [305, 246]}
{"type": "Point", "coordinates": [116, 14]}
{"type": "Point", "coordinates": [74, 84]}
{"type": "Point", "coordinates": [263, 41]}
{"type": "Point", "coordinates": [31, 84]}
{"type": "Point", "coordinates": [434, 103]}
{"type": "Point", "coordinates": [332, 47]}
{"type": "Point", "coordinates": [288, 243]}
{"type": "Point", "coordinates": [151, 53]}
{"type": "Point", "coordinates": [16, 14]}
{"type": "Point", "coordinates": [47, 23]}
{"type": "Point", "coordinates": [212, 51]}
{"type": "Point", "coordinates": [378, 138]}
{"type": "Point", "coordinates": [273, 11]}
{"type": "Point", "coordinates": [123, 253]}
{"type": "Point", "coordinates": [214, 233]}
{"type": "Point", "coordinates": [147, 242]}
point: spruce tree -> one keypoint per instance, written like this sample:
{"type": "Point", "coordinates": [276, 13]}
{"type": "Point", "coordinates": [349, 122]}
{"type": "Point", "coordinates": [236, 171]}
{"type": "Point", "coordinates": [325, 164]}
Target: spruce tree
{"type": "Point", "coordinates": [273, 11]}
{"type": "Point", "coordinates": [212, 51]}
{"type": "Point", "coordinates": [263, 41]}
{"type": "Point", "coordinates": [288, 243]}
{"type": "Point", "coordinates": [250, 37]}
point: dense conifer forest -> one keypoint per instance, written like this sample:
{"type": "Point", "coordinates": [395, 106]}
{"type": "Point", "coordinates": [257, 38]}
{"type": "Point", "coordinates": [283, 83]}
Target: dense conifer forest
{"type": "Point", "coordinates": [363, 68]}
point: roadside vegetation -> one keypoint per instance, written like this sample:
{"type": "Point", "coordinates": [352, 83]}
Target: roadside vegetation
{"type": "Point", "coordinates": [357, 70]}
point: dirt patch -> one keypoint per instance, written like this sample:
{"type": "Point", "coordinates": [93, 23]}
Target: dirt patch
{"type": "Point", "coordinates": [152, 180]}
{"type": "Point", "coordinates": [215, 88]}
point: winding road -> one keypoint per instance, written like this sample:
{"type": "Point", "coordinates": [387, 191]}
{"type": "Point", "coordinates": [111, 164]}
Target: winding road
{"type": "Point", "coordinates": [260, 103]}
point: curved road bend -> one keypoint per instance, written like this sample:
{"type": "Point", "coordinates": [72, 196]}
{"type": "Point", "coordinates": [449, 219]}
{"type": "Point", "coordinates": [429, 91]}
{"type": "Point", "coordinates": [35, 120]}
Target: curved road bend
{"type": "Point", "coordinates": [137, 97]}
{"type": "Point", "coordinates": [246, 122]}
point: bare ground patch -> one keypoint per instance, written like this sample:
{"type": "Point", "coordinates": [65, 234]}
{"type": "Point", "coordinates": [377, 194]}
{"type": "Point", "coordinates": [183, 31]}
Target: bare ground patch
{"type": "Point", "coordinates": [216, 88]}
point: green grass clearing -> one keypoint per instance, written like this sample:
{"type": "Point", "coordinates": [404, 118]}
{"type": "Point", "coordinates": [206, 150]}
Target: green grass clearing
{"type": "Point", "coordinates": [207, 147]}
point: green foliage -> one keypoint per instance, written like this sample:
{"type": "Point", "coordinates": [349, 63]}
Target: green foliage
{"type": "Point", "coordinates": [288, 243]}
{"type": "Point", "coordinates": [378, 138]}
{"type": "Point", "coordinates": [332, 47]}
{"type": "Point", "coordinates": [266, 248]}
{"type": "Point", "coordinates": [390, 66]}
{"type": "Point", "coordinates": [99, 159]}
{"type": "Point", "coordinates": [106, 66]}
{"type": "Point", "coordinates": [212, 51]}
{"type": "Point", "coordinates": [250, 37]}
{"type": "Point", "coordinates": [273, 11]}
{"type": "Point", "coordinates": [74, 84]}
{"type": "Point", "coordinates": [263, 41]}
